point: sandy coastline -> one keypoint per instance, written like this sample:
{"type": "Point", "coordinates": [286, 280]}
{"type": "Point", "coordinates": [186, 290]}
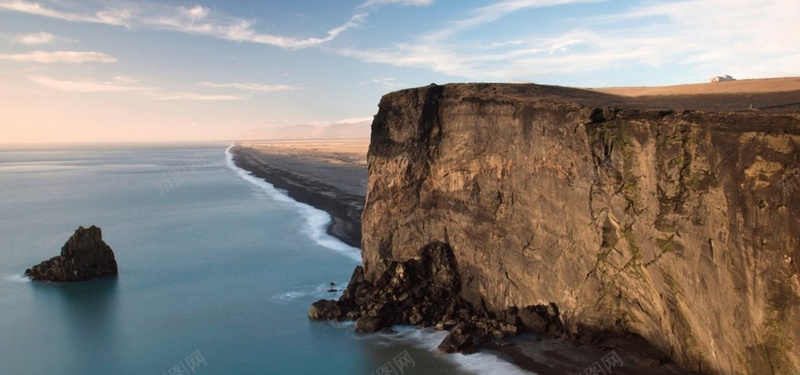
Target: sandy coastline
{"type": "Point", "coordinates": [328, 175]}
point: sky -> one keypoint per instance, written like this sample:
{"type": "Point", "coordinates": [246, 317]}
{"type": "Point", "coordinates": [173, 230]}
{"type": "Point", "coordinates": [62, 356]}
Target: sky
{"type": "Point", "coordinates": [170, 71]}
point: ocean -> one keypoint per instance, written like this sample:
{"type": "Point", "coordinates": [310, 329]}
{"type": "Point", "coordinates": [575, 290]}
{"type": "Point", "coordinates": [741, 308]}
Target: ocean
{"type": "Point", "coordinates": [217, 270]}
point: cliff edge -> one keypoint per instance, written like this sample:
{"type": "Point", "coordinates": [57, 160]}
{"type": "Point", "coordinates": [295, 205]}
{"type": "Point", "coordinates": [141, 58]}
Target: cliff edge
{"type": "Point", "coordinates": [673, 217]}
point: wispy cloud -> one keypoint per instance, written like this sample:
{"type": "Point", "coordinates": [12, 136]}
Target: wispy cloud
{"type": "Point", "coordinates": [111, 17]}
{"type": "Point", "coordinates": [385, 81]}
{"type": "Point", "coordinates": [199, 20]}
{"type": "Point", "coordinates": [494, 12]}
{"type": "Point", "coordinates": [34, 39]}
{"type": "Point", "coordinates": [117, 85]}
{"type": "Point", "coordinates": [703, 36]}
{"type": "Point", "coordinates": [369, 3]}
{"type": "Point", "coordinates": [71, 57]}
{"type": "Point", "coordinates": [196, 20]}
{"type": "Point", "coordinates": [252, 87]}
{"type": "Point", "coordinates": [354, 120]}
{"type": "Point", "coordinates": [345, 121]}
{"type": "Point", "coordinates": [125, 85]}
{"type": "Point", "coordinates": [194, 97]}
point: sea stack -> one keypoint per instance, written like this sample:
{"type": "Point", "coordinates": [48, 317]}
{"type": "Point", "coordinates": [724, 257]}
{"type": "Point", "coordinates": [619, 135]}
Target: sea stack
{"type": "Point", "coordinates": [85, 256]}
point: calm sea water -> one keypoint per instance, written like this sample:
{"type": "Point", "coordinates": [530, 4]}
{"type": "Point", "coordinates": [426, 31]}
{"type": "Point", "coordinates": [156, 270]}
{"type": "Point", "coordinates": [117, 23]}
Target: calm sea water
{"type": "Point", "coordinates": [217, 271]}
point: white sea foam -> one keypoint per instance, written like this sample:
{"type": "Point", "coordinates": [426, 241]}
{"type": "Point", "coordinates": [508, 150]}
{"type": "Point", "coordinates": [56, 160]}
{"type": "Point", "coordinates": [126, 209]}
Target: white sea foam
{"type": "Point", "coordinates": [428, 339]}
{"type": "Point", "coordinates": [17, 278]}
{"type": "Point", "coordinates": [321, 291]}
{"type": "Point", "coordinates": [316, 219]}
{"type": "Point", "coordinates": [36, 167]}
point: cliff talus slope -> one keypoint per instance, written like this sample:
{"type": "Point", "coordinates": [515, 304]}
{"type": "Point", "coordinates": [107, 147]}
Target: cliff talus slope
{"type": "Point", "coordinates": [676, 218]}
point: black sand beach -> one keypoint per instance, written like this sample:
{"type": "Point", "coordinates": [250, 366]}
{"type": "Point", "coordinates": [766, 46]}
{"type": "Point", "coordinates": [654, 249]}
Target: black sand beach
{"type": "Point", "coordinates": [328, 180]}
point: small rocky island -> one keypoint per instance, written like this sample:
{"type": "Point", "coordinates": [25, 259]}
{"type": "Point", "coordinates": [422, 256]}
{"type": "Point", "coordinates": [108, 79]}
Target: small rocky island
{"type": "Point", "coordinates": [85, 256]}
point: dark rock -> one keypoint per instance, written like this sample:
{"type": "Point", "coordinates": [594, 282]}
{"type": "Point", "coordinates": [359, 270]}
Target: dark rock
{"type": "Point", "coordinates": [541, 319]}
{"type": "Point", "coordinates": [457, 343]}
{"type": "Point", "coordinates": [425, 291]}
{"type": "Point", "coordinates": [449, 324]}
{"type": "Point", "coordinates": [587, 339]}
{"type": "Point", "coordinates": [509, 330]}
{"type": "Point", "coordinates": [532, 321]}
{"type": "Point", "coordinates": [324, 309]}
{"type": "Point", "coordinates": [415, 319]}
{"type": "Point", "coordinates": [417, 292]}
{"type": "Point", "coordinates": [647, 362]}
{"type": "Point", "coordinates": [84, 256]}
{"type": "Point", "coordinates": [367, 324]}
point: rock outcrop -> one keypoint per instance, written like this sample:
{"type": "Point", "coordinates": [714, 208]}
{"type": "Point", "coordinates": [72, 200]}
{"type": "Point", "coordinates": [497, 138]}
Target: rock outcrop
{"type": "Point", "coordinates": [84, 256]}
{"type": "Point", "coordinates": [675, 218]}
{"type": "Point", "coordinates": [425, 292]}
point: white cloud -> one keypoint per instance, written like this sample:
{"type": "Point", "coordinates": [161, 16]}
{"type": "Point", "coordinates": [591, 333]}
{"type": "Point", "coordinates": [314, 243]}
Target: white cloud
{"type": "Point", "coordinates": [106, 16]}
{"type": "Point", "coordinates": [114, 17]}
{"type": "Point", "coordinates": [355, 120]}
{"type": "Point", "coordinates": [124, 85]}
{"type": "Point", "coordinates": [195, 97]}
{"type": "Point", "coordinates": [197, 21]}
{"type": "Point", "coordinates": [194, 20]}
{"type": "Point", "coordinates": [72, 57]}
{"type": "Point", "coordinates": [700, 37]}
{"type": "Point", "coordinates": [125, 80]}
{"type": "Point", "coordinates": [369, 3]}
{"type": "Point", "coordinates": [496, 11]}
{"type": "Point", "coordinates": [257, 87]}
{"type": "Point", "coordinates": [88, 86]}
{"type": "Point", "coordinates": [385, 81]}
{"type": "Point", "coordinates": [34, 39]}
{"type": "Point", "coordinates": [196, 13]}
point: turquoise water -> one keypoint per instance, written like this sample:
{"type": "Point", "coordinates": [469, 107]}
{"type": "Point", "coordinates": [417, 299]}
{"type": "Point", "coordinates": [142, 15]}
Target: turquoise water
{"type": "Point", "coordinates": [217, 270]}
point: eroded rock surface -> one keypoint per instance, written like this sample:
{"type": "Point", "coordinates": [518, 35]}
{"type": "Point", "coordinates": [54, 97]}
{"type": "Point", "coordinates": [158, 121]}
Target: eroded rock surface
{"type": "Point", "coordinates": [84, 256]}
{"type": "Point", "coordinates": [677, 219]}
{"type": "Point", "coordinates": [425, 292]}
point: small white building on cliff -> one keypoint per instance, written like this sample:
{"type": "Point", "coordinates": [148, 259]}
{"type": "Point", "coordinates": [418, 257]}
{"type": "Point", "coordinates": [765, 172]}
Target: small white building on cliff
{"type": "Point", "coordinates": [724, 78]}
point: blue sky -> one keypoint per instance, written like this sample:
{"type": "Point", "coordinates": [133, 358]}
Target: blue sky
{"type": "Point", "coordinates": [95, 71]}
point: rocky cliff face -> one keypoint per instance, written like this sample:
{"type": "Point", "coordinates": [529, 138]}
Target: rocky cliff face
{"type": "Point", "coordinates": [676, 218]}
{"type": "Point", "coordinates": [84, 256]}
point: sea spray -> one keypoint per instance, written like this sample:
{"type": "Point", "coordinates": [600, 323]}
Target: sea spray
{"type": "Point", "coordinates": [325, 290]}
{"type": "Point", "coordinates": [17, 278]}
{"type": "Point", "coordinates": [428, 339]}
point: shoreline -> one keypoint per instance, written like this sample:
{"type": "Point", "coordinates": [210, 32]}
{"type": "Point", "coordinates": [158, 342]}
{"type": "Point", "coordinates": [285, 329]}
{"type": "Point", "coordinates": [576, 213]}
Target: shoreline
{"type": "Point", "coordinates": [343, 205]}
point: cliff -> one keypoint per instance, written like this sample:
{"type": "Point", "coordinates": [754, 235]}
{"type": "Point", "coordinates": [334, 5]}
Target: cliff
{"type": "Point", "coordinates": [673, 217]}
